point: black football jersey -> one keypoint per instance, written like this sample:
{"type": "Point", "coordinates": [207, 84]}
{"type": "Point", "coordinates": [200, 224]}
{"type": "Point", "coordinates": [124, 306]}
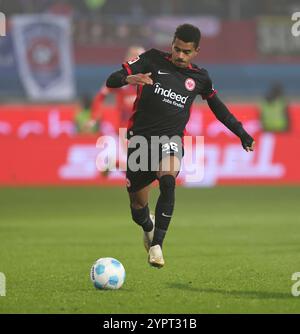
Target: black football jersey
{"type": "Point", "coordinates": [164, 107]}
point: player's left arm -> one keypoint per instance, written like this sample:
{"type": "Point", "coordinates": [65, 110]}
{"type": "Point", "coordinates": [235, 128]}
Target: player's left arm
{"type": "Point", "coordinates": [228, 119]}
{"type": "Point", "coordinates": [223, 114]}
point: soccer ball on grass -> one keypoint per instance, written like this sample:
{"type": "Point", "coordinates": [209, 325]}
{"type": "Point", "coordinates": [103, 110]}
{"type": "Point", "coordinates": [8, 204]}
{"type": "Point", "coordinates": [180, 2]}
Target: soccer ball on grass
{"type": "Point", "coordinates": [107, 273]}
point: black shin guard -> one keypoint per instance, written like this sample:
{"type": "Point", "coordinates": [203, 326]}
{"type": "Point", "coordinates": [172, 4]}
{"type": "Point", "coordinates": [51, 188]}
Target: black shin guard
{"type": "Point", "coordinates": [142, 218]}
{"type": "Point", "coordinates": [164, 208]}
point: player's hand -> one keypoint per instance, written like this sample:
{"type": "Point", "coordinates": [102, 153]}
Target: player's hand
{"type": "Point", "coordinates": [248, 142]}
{"type": "Point", "coordinates": [139, 79]}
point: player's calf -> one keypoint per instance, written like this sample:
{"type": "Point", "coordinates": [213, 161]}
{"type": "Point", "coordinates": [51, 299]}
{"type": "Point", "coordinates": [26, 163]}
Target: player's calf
{"type": "Point", "coordinates": [141, 217]}
{"type": "Point", "coordinates": [164, 208]}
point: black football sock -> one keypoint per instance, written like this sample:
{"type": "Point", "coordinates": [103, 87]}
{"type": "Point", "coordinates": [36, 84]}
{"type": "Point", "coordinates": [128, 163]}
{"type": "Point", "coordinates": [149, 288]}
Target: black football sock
{"type": "Point", "coordinates": [159, 236]}
{"type": "Point", "coordinates": [164, 208]}
{"type": "Point", "coordinates": [142, 218]}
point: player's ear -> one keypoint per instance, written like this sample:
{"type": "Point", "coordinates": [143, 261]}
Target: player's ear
{"type": "Point", "coordinates": [196, 51]}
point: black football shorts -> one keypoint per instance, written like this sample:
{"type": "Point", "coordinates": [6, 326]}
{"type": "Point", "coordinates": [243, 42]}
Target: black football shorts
{"type": "Point", "coordinates": [143, 159]}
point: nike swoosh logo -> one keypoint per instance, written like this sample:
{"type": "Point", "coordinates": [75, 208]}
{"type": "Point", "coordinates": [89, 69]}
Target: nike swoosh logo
{"type": "Point", "coordinates": [160, 72]}
{"type": "Point", "coordinates": [163, 214]}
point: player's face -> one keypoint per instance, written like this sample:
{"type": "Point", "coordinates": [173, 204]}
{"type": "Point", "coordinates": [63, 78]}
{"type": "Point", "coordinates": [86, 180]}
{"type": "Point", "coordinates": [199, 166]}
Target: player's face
{"type": "Point", "coordinates": [183, 53]}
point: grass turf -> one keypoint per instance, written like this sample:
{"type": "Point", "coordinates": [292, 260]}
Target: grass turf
{"type": "Point", "coordinates": [229, 250]}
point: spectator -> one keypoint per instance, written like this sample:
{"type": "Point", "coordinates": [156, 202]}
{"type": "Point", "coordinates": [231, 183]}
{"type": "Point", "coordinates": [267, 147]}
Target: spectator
{"type": "Point", "coordinates": [274, 110]}
{"type": "Point", "coordinates": [83, 120]}
{"type": "Point", "coordinates": [125, 96]}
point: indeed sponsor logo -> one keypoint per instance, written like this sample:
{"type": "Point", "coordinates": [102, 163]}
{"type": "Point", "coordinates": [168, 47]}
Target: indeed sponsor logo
{"type": "Point", "coordinates": [169, 93]}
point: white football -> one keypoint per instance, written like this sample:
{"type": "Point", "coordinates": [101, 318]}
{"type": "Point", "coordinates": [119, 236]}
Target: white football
{"type": "Point", "coordinates": [108, 273]}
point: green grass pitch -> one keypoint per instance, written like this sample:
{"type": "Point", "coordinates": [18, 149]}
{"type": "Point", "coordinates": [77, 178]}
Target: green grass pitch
{"type": "Point", "coordinates": [228, 250]}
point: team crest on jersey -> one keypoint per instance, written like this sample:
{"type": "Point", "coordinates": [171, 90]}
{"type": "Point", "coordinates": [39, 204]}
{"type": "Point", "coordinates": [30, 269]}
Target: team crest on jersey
{"type": "Point", "coordinates": [190, 84]}
{"type": "Point", "coordinates": [134, 60]}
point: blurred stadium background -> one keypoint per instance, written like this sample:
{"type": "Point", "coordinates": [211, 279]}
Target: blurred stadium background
{"type": "Point", "coordinates": [54, 59]}
{"type": "Point", "coordinates": [56, 56]}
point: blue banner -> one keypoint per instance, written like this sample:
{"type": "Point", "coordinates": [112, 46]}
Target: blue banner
{"type": "Point", "coordinates": [44, 57]}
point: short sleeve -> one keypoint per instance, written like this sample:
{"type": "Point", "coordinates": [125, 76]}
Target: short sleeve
{"type": "Point", "coordinates": [138, 64]}
{"type": "Point", "coordinates": [208, 90]}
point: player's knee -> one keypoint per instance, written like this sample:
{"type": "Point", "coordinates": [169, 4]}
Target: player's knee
{"type": "Point", "coordinates": [137, 205]}
{"type": "Point", "coordinates": [137, 201]}
{"type": "Point", "coordinates": [167, 183]}
{"type": "Point", "coordinates": [167, 187]}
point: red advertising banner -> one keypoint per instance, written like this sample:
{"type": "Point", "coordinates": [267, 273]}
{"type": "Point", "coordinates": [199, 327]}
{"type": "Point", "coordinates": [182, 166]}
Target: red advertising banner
{"type": "Point", "coordinates": [39, 146]}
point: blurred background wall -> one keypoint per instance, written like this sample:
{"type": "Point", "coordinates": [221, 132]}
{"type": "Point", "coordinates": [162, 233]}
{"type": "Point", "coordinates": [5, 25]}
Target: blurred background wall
{"type": "Point", "coordinates": [56, 56]}
{"type": "Point", "coordinates": [246, 45]}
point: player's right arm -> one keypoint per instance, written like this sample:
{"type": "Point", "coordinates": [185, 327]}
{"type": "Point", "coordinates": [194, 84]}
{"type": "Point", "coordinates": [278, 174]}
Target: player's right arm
{"type": "Point", "coordinates": [120, 78]}
{"type": "Point", "coordinates": [134, 72]}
